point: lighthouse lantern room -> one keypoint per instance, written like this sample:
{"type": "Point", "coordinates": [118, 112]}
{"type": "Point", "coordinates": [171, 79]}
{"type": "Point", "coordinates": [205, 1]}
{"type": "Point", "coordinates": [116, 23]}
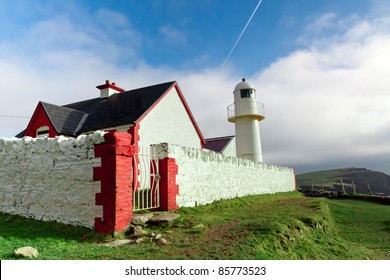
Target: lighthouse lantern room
{"type": "Point", "coordinates": [246, 113]}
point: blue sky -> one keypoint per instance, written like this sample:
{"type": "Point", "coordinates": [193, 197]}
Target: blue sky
{"type": "Point", "coordinates": [173, 33]}
{"type": "Point", "coordinates": [320, 67]}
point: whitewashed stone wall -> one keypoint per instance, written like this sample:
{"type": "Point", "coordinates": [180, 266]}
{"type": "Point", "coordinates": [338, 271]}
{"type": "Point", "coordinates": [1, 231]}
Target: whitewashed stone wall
{"type": "Point", "coordinates": [204, 177]}
{"type": "Point", "coordinates": [50, 178]}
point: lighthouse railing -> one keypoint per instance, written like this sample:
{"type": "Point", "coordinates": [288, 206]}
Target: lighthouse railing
{"type": "Point", "coordinates": [243, 109]}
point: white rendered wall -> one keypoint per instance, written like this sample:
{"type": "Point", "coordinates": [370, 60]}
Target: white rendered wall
{"type": "Point", "coordinates": [169, 122]}
{"type": "Point", "coordinates": [204, 177]}
{"type": "Point", "coordinates": [230, 149]}
{"type": "Point", "coordinates": [50, 178]}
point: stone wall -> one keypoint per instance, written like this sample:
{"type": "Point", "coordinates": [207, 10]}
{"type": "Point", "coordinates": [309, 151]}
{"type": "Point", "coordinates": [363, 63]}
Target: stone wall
{"type": "Point", "coordinates": [50, 178]}
{"type": "Point", "coordinates": [204, 177]}
{"type": "Point", "coordinates": [88, 181]}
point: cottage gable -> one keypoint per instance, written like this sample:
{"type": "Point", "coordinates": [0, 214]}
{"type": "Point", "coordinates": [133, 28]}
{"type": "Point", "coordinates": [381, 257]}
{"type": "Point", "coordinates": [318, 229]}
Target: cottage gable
{"type": "Point", "coordinates": [170, 120]}
{"type": "Point", "coordinates": [120, 110]}
{"type": "Point", "coordinates": [66, 121]}
{"type": "Point", "coordinates": [39, 120]}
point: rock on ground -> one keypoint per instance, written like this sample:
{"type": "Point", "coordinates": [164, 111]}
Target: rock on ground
{"type": "Point", "coordinates": [142, 218]}
{"type": "Point", "coordinates": [138, 231]}
{"type": "Point", "coordinates": [161, 242]}
{"type": "Point", "coordinates": [199, 226]}
{"type": "Point", "coordinates": [140, 240]}
{"type": "Point", "coordinates": [166, 217]}
{"type": "Point", "coordinates": [26, 252]}
{"type": "Point", "coordinates": [119, 242]}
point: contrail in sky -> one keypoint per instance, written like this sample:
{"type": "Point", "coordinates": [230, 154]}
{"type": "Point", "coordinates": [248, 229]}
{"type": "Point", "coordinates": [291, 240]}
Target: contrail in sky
{"type": "Point", "coordinates": [242, 32]}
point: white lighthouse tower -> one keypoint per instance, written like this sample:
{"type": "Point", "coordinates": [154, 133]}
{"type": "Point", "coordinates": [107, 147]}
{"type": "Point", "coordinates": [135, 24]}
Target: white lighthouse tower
{"type": "Point", "coordinates": [246, 113]}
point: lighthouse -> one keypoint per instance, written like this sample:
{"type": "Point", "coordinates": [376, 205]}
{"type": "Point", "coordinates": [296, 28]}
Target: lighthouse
{"type": "Point", "coordinates": [246, 113]}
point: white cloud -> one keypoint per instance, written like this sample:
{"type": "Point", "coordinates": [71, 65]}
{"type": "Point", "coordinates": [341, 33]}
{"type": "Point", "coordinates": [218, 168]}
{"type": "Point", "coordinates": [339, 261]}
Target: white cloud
{"type": "Point", "coordinates": [325, 21]}
{"type": "Point", "coordinates": [327, 102]}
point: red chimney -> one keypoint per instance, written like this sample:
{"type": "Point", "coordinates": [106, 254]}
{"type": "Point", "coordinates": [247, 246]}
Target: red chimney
{"type": "Point", "coordinates": [108, 89]}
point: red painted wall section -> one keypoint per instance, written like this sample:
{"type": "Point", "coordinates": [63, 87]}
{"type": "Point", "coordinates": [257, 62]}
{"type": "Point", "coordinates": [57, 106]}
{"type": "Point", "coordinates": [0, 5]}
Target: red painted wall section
{"type": "Point", "coordinates": [295, 180]}
{"type": "Point", "coordinates": [116, 177]}
{"type": "Point", "coordinates": [134, 132]}
{"type": "Point", "coordinates": [135, 137]}
{"type": "Point", "coordinates": [39, 119]}
{"type": "Point", "coordinates": [168, 187]}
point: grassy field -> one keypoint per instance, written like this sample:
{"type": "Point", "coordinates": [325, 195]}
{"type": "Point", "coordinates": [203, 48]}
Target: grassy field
{"type": "Point", "coordinates": [365, 223]}
{"type": "Point", "coordinates": [280, 226]}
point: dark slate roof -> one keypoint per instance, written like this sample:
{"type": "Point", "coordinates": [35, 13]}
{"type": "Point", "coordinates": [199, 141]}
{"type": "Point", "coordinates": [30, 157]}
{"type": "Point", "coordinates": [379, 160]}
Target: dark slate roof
{"type": "Point", "coordinates": [218, 144]}
{"type": "Point", "coordinates": [101, 113]}
{"type": "Point", "coordinates": [65, 120]}
{"type": "Point", "coordinates": [20, 134]}
{"type": "Point", "coordinates": [118, 109]}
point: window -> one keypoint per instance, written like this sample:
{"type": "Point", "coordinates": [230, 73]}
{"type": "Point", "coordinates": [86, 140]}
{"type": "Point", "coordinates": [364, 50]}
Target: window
{"type": "Point", "coordinates": [246, 93]}
{"type": "Point", "coordinates": [43, 131]}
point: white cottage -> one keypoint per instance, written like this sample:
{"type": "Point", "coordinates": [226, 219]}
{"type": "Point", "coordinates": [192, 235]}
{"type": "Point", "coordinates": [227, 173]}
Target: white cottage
{"type": "Point", "coordinates": [159, 113]}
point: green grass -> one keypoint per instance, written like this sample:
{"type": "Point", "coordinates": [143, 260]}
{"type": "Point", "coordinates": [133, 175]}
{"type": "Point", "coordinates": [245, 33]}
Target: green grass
{"type": "Point", "coordinates": [279, 226]}
{"type": "Point", "coordinates": [327, 177]}
{"type": "Point", "coordinates": [366, 223]}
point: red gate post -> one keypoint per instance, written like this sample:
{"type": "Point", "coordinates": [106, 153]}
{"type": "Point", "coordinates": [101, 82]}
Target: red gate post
{"type": "Point", "coordinates": [168, 188]}
{"type": "Point", "coordinates": [116, 177]}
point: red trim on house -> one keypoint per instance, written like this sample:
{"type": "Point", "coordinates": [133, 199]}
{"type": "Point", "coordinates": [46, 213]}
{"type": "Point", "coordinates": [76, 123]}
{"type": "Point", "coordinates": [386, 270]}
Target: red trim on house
{"type": "Point", "coordinates": [135, 137]}
{"type": "Point", "coordinates": [202, 141]}
{"type": "Point", "coordinates": [39, 119]}
{"type": "Point", "coordinates": [134, 132]}
{"type": "Point", "coordinates": [295, 180]}
{"type": "Point", "coordinates": [110, 85]}
{"type": "Point", "coordinates": [168, 188]}
{"type": "Point", "coordinates": [116, 180]}
{"type": "Point", "coordinates": [187, 108]}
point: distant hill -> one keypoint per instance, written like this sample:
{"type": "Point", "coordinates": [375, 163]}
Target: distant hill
{"type": "Point", "coordinates": [361, 178]}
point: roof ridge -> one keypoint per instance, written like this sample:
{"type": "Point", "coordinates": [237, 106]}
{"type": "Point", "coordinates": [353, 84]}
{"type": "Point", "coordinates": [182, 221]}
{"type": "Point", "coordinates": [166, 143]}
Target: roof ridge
{"type": "Point", "coordinates": [120, 108]}
{"type": "Point", "coordinates": [220, 138]}
{"type": "Point", "coordinates": [124, 92]}
{"type": "Point", "coordinates": [59, 106]}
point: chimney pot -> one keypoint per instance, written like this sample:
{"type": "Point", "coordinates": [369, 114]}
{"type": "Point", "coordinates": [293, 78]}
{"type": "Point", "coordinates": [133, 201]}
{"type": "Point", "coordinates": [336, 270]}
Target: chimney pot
{"type": "Point", "coordinates": [108, 89]}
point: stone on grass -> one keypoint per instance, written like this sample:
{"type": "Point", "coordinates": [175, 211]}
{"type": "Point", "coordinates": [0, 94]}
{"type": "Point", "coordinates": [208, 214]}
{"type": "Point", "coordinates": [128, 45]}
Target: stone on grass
{"type": "Point", "coordinates": [142, 218]}
{"type": "Point", "coordinates": [119, 242]}
{"type": "Point", "coordinates": [164, 218]}
{"type": "Point", "coordinates": [138, 231]}
{"type": "Point", "coordinates": [161, 242]}
{"type": "Point", "coordinates": [26, 252]}
{"type": "Point", "coordinates": [140, 240]}
{"type": "Point", "coordinates": [199, 226]}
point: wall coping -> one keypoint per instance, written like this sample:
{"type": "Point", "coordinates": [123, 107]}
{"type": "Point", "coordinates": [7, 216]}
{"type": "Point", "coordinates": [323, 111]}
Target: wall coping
{"type": "Point", "coordinates": [167, 150]}
{"type": "Point", "coordinates": [7, 144]}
